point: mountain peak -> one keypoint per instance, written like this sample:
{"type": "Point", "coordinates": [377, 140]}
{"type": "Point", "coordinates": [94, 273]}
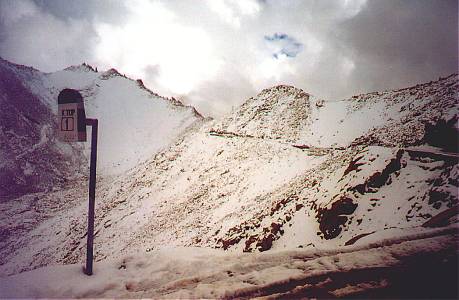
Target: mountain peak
{"type": "Point", "coordinates": [111, 73]}
{"type": "Point", "coordinates": [84, 67]}
{"type": "Point", "coordinates": [283, 88]}
{"type": "Point", "coordinates": [277, 113]}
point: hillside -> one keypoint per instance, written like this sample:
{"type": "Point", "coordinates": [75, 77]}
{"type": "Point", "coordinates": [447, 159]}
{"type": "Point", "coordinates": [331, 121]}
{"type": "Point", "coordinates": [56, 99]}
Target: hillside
{"type": "Point", "coordinates": [34, 160]}
{"type": "Point", "coordinates": [285, 171]}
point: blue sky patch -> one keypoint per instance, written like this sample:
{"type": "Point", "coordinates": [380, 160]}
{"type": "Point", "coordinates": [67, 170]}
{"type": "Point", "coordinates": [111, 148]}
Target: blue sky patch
{"type": "Point", "coordinates": [283, 45]}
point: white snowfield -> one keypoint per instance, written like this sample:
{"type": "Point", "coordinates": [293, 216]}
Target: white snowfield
{"type": "Point", "coordinates": [134, 122]}
{"type": "Point", "coordinates": [369, 270]}
{"type": "Point", "coordinates": [335, 195]}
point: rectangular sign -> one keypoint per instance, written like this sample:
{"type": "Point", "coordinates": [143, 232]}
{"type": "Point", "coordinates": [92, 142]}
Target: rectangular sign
{"type": "Point", "coordinates": [70, 119]}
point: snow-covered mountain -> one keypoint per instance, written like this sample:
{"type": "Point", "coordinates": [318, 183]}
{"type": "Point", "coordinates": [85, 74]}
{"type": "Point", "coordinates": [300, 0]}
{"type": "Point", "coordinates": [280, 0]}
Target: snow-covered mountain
{"type": "Point", "coordinates": [31, 159]}
{"type": "Point", "coordinates": [285, 171]}
{"type": "Point", "coordinates": [134, 123]}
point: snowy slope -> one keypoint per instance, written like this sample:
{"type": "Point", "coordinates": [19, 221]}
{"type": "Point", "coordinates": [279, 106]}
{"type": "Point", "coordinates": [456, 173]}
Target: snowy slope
{"type": "Point", "coordinates": [31, 158]}
{"type": "Point", "coordinates": [288, 113]}
{"type": "Point", "coordinates": [134, 123]}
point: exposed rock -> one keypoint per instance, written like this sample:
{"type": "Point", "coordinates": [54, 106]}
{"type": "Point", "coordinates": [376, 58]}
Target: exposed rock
{"type": "Point", "coordinates": [331, 220]}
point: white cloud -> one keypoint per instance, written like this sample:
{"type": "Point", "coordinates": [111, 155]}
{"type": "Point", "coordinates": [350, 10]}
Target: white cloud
{"type": "Point", "coordinates": [213, 54]}
{"type": "Point", "coordinates": [231, 11]}
{"type": "Point", "coordinates": [352, 7]}
{"type": "Point", "coordinates": [33, 37]}
{"type": "Point", "coordinates": [152, 35]}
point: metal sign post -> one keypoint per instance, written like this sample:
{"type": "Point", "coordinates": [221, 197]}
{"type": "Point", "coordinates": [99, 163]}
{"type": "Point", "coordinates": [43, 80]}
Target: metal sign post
{"type": "Point", "coordinates": [92, 195]}
{"type": "Point", "coordinates": [72, 128]}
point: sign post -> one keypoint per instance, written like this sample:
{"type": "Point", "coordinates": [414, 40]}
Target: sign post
{"type": "Point", "coordinates": [72, 128]}
{"type": "Point", "coordinates": [92, 195]}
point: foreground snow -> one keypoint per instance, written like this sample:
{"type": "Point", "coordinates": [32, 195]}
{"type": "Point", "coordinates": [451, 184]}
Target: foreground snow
{"type": "Point", "coordinates": [404, 267]}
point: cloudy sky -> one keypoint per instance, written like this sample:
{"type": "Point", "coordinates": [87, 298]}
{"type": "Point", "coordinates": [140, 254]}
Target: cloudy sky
{"type": "Point", "coordinates": [214, 54]}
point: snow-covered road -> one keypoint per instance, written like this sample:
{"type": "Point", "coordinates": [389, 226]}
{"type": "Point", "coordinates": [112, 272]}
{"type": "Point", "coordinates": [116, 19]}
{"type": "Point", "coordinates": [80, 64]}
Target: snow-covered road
{"type": "Point", "coordinates": [405, 267]}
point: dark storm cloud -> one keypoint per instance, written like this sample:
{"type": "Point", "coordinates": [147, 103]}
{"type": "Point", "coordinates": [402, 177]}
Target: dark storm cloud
{"type": "Point", "coordinates": [394, 43]}
{"type": "Point", "coordinates": [107, 11]}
